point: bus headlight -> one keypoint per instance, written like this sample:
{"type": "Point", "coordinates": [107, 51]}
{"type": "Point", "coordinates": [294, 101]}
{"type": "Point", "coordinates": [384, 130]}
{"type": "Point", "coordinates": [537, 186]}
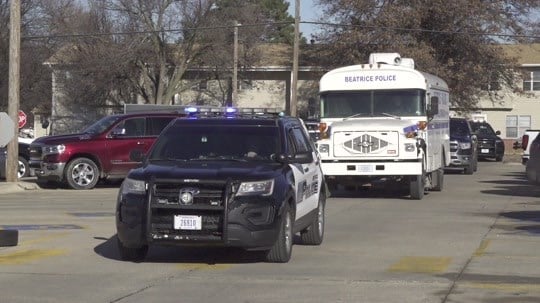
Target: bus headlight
{"type": "Point", "coordinates": [324, 148]}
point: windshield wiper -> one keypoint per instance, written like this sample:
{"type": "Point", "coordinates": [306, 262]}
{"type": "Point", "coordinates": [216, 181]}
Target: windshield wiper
{"type": "Point", "coordinates": [354, 116]}
{"type": "Point", "coordinates": [391, 116]}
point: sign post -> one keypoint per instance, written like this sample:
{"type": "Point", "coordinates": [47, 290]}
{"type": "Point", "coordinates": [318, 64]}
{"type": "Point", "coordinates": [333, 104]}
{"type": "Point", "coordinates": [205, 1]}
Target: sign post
{"type": "Point", "coordinates": [7, 129]}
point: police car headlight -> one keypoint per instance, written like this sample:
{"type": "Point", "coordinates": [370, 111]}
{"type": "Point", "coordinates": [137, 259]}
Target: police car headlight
{"type": "Point", "coordinates": [54, 149]}
{"type": "Point", "coordinates": [263, 188]}
{"type": "Point", "coordinates": [131, 186]}
{"type": "Point", "coordinates": [465, 145]}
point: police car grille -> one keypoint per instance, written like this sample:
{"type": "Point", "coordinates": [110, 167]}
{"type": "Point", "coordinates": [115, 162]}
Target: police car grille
{"type": "Point", "coordinates": [486, 144]}
{"type": "Point", "coordinates": [204, 193]}
{"type": "Point", "coordinates": [208, 203]}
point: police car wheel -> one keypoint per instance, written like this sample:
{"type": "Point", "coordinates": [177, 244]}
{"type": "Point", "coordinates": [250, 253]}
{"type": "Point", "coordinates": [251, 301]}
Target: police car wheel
{"type": "Point", "coordinates": [131, 254]}
{"type": "Point", "coordinates": [282, 249]}
{"type": "Point", "coordinates": [314, 234]}
{"type": "Point", "coordinates": [9, 237]}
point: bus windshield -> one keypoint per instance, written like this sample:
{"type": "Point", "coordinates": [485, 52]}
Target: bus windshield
{"type": "Point", "coordinates": [409, 102]}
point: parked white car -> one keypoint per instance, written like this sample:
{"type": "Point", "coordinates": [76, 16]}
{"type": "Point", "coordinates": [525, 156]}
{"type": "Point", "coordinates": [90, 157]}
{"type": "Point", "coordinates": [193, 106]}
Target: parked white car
{"type": "Point", "coordinates": [532, 166]}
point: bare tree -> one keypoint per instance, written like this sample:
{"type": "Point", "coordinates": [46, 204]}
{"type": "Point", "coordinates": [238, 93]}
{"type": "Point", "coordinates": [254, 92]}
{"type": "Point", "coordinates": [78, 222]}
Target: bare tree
{"type": "Point", "coordinates": [453, 39]}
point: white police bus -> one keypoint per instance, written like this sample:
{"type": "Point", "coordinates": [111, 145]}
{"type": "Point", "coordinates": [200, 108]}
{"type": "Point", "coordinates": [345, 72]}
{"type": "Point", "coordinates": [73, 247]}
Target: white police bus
{"type": "Point", "coordinates": [384, 120]}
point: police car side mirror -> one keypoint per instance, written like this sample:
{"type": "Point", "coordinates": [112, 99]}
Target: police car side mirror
{"type": "Point", "coordinates": [303, 158]}
{"type": "Point", "coordinates": [300, 158]}
{"type": "Point", "coordinates": [136, 155]}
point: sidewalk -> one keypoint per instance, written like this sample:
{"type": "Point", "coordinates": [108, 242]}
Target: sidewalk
{"type": "Point", "coordinates": [10, 187]}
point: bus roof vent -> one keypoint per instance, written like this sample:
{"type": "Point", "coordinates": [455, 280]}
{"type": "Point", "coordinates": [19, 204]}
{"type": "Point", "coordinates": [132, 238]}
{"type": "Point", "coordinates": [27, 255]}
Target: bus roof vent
{"type": "Point", "coordinates": [385, 58]}
{"type": "Point", "coordinates": [408, 62]}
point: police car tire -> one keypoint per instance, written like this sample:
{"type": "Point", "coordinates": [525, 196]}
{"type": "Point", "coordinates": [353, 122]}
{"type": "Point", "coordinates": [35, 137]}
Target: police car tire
{"type": "Point", "coordinates": [314, 234]}
{"type": "Point", "coordinates": [137, 254]}
{"type": "Point", "coordinates": [282, 250]}
{"type": "Point", "coordinates": [9, 237]}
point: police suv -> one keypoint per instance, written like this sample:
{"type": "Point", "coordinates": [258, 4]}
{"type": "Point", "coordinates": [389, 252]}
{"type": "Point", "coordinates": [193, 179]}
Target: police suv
{"type": "Point", "coordinates": [231, 177]}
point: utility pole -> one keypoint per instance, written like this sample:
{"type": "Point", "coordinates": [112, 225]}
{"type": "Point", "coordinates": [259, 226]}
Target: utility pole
{"type": "Point", "coordinates": [235, 66]}
{"type": "Point", "coordinates": [12, 164]}
{"type": "Point", "coordinates": [294, 76]}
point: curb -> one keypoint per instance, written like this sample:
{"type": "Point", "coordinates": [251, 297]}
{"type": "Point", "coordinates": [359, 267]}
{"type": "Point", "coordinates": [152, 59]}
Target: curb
{"type": "Point", "coordinates": [10, 187]}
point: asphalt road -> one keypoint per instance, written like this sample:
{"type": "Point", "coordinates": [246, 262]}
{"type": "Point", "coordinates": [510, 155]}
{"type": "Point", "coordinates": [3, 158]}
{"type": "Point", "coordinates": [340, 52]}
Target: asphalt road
{"type": "Point", "coordinates": [476, 241]}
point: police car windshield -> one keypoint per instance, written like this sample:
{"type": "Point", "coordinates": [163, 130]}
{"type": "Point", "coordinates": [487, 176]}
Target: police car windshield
{"type": "Point", "coordinates": [101, 125]}
{"type": "Point", "coordinates": [410, 102]}
{"type": "Point", "coordinates": [214, 143]}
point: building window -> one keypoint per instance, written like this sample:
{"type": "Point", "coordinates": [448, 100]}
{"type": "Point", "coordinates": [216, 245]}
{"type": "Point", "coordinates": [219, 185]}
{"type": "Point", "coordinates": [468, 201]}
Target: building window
{"type": "Point", "coordinates": [203, 85]}
{"type": "Point", "coordinates": [531, 81]}
{"type": "Point", "coordinates": [516, 125]}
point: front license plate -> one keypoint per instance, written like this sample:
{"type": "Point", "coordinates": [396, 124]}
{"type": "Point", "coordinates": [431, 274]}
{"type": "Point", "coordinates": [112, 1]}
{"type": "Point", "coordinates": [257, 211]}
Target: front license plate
{"type": "Point", "coordinates": [485, 150]}
{"type": "Point", "coordinates": [187, 222]}
{"type": "Point", "coordinates": [365, 168]}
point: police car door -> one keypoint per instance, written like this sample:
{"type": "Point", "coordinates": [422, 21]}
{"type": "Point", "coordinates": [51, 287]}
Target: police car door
{"type": "Point", "coordinates": [306, 175]}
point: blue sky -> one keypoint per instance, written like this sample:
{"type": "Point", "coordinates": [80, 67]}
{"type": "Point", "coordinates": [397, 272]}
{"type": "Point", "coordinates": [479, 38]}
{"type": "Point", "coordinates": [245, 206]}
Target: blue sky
{"type": "Point", "coordinates": [308, 12]}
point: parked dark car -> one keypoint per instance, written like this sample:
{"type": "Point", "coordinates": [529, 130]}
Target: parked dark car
{"type": "Point", "coordinates": [532, 166]}
{"type": "Point", "coordinates": [463, 146]}
{"type": "Point", "coordinates": [490, 145]}
{"type": "Point", "coordinates": [24, 156]}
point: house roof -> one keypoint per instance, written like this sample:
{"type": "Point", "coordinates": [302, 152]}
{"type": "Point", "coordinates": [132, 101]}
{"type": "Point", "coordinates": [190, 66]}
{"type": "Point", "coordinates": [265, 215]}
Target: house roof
{"type": "Point", "coordinates": [526, 54]}
{"type": "Point", "coordinates": [280, 55]}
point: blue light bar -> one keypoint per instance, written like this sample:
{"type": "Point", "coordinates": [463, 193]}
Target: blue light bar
{"type": "Point", "coordinates": [190, 109]}
{"type": "Point", "coordinates": [230, 110]}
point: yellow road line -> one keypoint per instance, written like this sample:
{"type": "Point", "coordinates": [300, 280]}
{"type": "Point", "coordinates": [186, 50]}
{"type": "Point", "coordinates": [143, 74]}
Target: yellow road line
{"type": "Point", "coordinates": [421, 264]}
{"type": "Point", "coordinates": [27, 256]}
{"type": "Point", "coordinates": [481, 250]}
{"type": "Point", "coordinates": [506, 287]}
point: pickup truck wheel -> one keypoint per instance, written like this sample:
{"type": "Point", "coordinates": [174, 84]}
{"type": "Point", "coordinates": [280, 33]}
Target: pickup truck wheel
{"type": "Point", "coordinates": [131, 254]}
{"type": "Point", "coordinates": [282, 249]}
{"type": "Point", "coordinates": [82, 173]}
{"type": "Point", "coordinates": [24, 168]}
{"type": "Point", "coordinates": [314, 234]}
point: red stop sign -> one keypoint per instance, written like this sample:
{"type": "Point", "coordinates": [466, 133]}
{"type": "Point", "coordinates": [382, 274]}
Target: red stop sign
{"type": "Point", "coordinates": [22, 119]}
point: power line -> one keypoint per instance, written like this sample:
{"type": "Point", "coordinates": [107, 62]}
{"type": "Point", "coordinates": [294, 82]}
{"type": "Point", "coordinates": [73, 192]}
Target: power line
{"type": "Point", "coordinates": [177, 30]}
{"type": "Point", "coordinates": [422, 30]}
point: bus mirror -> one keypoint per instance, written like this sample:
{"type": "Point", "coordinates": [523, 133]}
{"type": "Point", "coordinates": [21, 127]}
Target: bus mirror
{"type": "Point", "coordinates": [433, 106]}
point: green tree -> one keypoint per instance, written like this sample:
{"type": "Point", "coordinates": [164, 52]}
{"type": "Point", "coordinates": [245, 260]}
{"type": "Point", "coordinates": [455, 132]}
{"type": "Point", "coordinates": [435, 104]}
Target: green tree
{"type": "Point", "coordinates": [456, 40]}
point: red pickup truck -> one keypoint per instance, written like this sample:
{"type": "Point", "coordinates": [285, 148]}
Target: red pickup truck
{"type": "Point", "coordinates": [99, 152]}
